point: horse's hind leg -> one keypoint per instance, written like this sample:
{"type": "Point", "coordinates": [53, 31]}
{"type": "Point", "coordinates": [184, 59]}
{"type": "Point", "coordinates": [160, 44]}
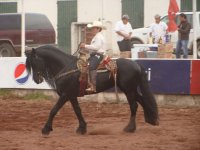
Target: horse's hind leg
{"type": "Point", "coordinates": [48, 126]}
{"type": "Point", "coordinates": [131, 97]}
{"type": "Point", "coordinates": [82, 124]}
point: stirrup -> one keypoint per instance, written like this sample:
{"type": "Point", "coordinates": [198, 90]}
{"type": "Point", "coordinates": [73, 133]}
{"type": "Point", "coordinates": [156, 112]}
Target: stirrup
{"type": "Point", "coordinates": [91, 90]}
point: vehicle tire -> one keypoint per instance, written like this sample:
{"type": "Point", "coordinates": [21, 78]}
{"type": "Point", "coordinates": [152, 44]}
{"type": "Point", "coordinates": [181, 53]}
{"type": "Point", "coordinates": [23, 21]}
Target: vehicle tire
{"type": "Point", "coordinates": [198, 49]}
{"type": "Point", "coordinates": [134, 41]}
{"type": "Point", "coordinates": [6, 50]}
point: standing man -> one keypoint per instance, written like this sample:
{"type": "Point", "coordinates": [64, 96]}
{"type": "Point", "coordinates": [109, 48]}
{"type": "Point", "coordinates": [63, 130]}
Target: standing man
{"type": "Point", "coordinates": [124, 31]}
{"type": "Point", "coordinates": [158, 30]}
{"type": "Point", "coordinates": [183, 36]}
{"type": "Point", "coordinates": [96, 49]}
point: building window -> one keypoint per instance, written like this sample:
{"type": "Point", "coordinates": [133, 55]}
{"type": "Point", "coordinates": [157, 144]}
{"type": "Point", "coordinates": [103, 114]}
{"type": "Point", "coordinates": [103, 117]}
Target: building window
{"type": "Point", "coordinates": [186, 5]}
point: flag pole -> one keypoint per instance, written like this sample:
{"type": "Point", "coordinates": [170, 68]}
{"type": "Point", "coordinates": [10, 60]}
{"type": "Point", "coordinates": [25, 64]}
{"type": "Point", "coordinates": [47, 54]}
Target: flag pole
{"type": "Point", "coordinates": [194, 30]}
{"type": "Point", "coordinates": [22, 29]}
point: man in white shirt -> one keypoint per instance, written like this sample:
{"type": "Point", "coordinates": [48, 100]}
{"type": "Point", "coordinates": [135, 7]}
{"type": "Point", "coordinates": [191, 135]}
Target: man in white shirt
{"type": "Point", "coordinates": [158, 30]}
{"type": "Point", "coordinates": [96, 49]}
{"type": "Point", "coordinates": [124, 31]}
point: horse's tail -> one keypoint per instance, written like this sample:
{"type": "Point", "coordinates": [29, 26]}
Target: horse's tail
{"type": "Point", "coordinates": [147, 100]}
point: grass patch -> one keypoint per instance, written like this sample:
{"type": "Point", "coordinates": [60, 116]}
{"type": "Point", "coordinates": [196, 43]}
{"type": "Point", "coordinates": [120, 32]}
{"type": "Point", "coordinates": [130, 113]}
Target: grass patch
{"type": "Point", "coordinates": [5, 92]}
{"type": "Point", "coordinates": [36, 96]}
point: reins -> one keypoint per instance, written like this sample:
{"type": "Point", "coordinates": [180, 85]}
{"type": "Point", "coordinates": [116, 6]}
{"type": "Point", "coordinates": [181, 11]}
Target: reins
{"type": "Point", "coordinates": [60, 75]}
{"type": "Point", "coordinates": [65, 74]}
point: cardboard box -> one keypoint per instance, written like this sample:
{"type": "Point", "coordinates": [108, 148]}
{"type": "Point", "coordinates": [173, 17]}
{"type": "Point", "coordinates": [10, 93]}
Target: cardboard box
{"type": "Point", "coordinates": [165, 55]}
{"type": "Point", "coordinates": [165, 50]}
{"type": "Point", "coordinates": [142, 54]}
{"type": "Point", "coordinates": [168, 47]}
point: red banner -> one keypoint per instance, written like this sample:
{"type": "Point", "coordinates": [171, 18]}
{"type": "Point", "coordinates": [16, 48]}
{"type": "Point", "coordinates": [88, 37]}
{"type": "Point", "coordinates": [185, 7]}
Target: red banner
{"type": "Point", "coordinates": [172, 10]}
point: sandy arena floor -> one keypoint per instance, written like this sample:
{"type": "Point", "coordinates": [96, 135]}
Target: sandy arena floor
{"type": "Point", "coordinates": [21, 122]}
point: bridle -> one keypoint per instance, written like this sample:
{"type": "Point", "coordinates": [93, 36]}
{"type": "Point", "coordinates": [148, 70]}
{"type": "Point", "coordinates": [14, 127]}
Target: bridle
{"type": "Point", "coordinates": [60, 74]}
{"type": "Point", "coordinates": [40, 76]}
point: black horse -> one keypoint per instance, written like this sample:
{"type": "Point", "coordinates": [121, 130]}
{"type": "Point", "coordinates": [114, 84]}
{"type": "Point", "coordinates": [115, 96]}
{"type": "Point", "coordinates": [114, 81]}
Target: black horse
{"type": "Point", "coordinates": [47, 62]}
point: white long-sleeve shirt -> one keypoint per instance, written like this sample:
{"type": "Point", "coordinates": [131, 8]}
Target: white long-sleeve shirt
{"type": "Point", "coordinates": [158, 30]}
{"type": "Point", "coordinates": [97, 44]}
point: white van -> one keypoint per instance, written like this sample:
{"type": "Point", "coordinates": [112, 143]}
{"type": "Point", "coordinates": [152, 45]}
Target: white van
{"type": "Point", "coordinates": [140, 35]}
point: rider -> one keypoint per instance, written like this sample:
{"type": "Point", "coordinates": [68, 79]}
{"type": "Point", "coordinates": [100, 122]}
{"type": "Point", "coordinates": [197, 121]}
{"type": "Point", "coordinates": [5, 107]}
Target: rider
{"type": "Point", "coordinates": [96, 49]}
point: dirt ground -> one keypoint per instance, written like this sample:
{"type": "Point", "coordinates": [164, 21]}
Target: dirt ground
{"type": "Point", "coordinates": [21, 122]}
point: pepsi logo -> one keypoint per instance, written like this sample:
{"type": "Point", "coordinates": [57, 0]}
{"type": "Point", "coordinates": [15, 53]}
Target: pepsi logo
{"type": "Point", "coordinates": [20, 74]}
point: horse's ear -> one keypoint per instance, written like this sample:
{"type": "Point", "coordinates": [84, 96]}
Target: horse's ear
{"type": "Point", "coordinates": [27, 53]}
{"type": "Point", "coordinates": [34, 53]}
{"type": "Point", "coordinates": [30, 52]}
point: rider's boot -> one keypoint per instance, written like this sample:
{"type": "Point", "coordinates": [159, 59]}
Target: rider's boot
{"type": "Point", "coordinates": [92, 88]}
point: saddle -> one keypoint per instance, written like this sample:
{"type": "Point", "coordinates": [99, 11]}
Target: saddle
{"type": "Point", "coordinates": [106, 65]}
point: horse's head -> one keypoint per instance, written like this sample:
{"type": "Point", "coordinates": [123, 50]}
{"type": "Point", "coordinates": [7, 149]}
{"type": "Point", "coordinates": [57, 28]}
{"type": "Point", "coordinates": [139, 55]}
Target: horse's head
{"type": "Point", "coordinates": [46, 61]}
{"type": "Point", "coordinates": [35, 65]}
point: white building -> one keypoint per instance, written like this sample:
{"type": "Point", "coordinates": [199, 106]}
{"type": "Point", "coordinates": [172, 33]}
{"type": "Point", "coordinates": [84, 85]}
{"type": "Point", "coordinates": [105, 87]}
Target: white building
{"type": "Point", "coordinates": [110, 11]}
{"type": "Point", "coordinates": [62, 14]}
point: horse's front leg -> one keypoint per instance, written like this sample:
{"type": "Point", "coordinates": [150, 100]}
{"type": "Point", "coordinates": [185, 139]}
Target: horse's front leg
{"type": "Point", "coordinates": [82, 129]}
{"type": "Point", "coordinates": [48, 126]}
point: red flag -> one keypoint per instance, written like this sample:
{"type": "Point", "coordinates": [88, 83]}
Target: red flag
{"type": "Point", "coordinates": [172, 10]}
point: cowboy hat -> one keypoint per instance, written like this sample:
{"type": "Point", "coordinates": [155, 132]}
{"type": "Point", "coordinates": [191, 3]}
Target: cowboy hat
{"type": "Point", "coordinates": [96, 24]}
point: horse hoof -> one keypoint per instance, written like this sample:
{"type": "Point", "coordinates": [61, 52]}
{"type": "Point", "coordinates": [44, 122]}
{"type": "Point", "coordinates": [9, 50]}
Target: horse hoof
{"type": "Point", "coordinates": [46, 131]}
{"type": "Point", "coordinates": [81, 131]}
{"type": "Point", "coordinates": [129, 129]}
{"type": "Point", "coordinates": [154, 123]}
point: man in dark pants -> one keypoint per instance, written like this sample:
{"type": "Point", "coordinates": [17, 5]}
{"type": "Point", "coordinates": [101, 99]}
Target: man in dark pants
{"type": "Point", "coordinates": [96, 49]}
{"type": "Point", "coordinates": [183, 36]}
{"type": "Point", "coordinates": [124, 32]}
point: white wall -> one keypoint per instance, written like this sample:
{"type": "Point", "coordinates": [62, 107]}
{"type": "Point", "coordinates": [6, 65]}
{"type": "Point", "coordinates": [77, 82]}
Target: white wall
{"type": "Point", "coordinates": [108, 11]}
{"type": "Point", "coordinates": [152, 7]}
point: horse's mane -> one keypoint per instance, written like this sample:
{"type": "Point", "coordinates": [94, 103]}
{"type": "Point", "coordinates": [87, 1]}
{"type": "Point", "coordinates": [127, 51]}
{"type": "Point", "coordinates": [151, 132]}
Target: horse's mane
{"type": "Point", "coordinates": [51, 54]}
{"type": "Point", "coordinates": [54, 53]}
